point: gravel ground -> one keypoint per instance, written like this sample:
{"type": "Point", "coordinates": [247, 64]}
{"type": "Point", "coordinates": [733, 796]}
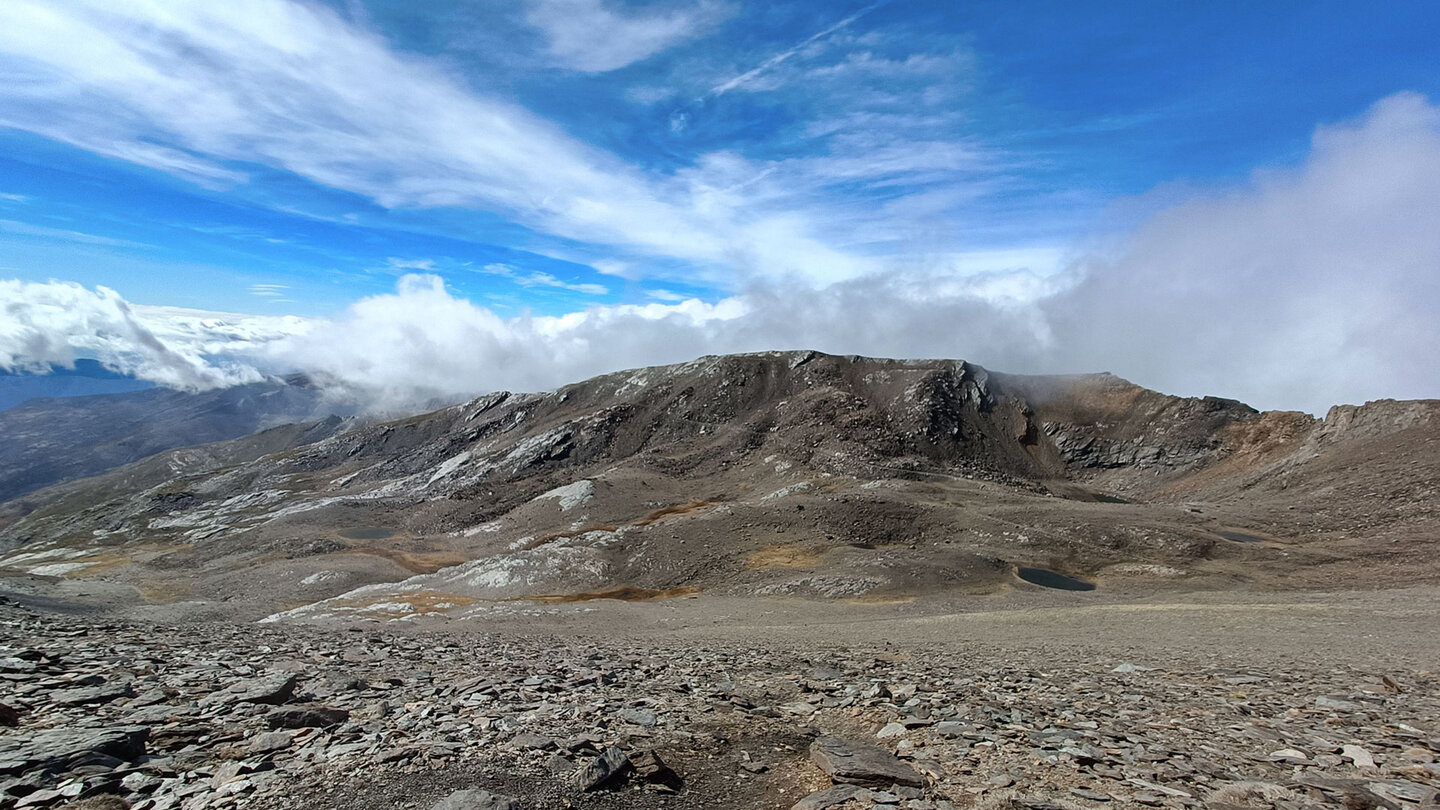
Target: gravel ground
{"type": "Point", "coordinates": [1051, 701]}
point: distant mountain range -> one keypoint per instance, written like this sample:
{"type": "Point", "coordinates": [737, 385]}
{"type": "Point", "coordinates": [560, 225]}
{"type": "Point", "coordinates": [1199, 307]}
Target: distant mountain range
{"type": "Point", "coordinates": [88, 377]}
{"type": "Point", "coordinates": [49, 440]}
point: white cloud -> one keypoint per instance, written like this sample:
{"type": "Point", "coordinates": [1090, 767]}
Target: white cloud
{"type": "Point", "coordinates": [275, 292]}
{"type": "Point", "coordinates": [202, 89]}
{"type": "Point", "coordinates": [586, 35]}
{"type": "Point", "coordinates": [425, 265]}
{"type": "Point", "coordinates": [1303, 288]}
{"type": "Point", "coordinates": [59, 322]}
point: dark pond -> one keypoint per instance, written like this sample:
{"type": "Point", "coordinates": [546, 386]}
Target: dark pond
{"type": "Point", "coordinates": [367, 533]}
{"type": "Point", "coordinates": [1049, 579]}
{"type": "Point", "coordinates": [1241, 537]}
{"type": "Point", "coordinates": [1103, 498]}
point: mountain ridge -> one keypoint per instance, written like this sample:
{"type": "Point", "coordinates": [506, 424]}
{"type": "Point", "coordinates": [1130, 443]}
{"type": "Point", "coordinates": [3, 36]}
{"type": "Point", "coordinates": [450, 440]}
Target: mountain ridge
{"type": "Point", "coordinates": [792, 474]}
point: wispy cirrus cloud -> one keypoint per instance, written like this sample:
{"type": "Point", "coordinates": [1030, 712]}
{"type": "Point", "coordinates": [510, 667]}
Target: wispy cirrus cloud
{"type": "Point", "coordinates": [541, 279]}
{"type": "Point", "coordinates": [18, 228]}
{"type": "Point", "coordinates": [224, 96]}
{"type": "Point", "coordinates": [205, 90]}
{"type": "Point", "coordinates": [593, 36]}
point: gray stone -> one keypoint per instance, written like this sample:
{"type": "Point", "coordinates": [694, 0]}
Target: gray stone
{"type": "Point", "coordinates": [1336, 704]}
{"type": "Point", "coordinates": [650, 767]}
{"type": "Point", "coordinates": [306, 717]}
{"type": "Point", "coordinates": [829, 797]}
{"type": "Point", "coordinates": [862, 764]}
{"type": "Point", "coordinates": [104, 693]}
{"type": "Point", "coordinates": [54, 750]}
{"type": "Point", "coordinates": [476, 799]}
{"type": "Point", "coordinates": [268, 742]}
{"type": "Point", "coordinates": [140, 782]}
{"type": "Point", "coordinates": [269, 690]}
{"type": "Point", "coordinates": [601, 770]}
{"type": "Point", "coordinates": [531, 741]}
{"type": "Point", "coordinates": [639, 717]}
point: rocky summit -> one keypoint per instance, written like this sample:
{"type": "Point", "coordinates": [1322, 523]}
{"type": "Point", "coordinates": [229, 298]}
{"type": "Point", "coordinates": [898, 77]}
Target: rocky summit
{"type": "Point", "coordinates": [770, 580]}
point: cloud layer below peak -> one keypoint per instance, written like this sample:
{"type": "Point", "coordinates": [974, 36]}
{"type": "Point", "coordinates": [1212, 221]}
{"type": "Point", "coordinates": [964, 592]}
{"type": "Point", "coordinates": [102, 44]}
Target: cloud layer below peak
{"type": "Point", "coordinates": [1303, 288]}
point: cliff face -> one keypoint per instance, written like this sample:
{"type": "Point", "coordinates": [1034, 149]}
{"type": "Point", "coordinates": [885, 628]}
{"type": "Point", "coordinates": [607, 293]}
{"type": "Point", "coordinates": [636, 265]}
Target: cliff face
{"type": "Point", "coordinates": [779, 473]}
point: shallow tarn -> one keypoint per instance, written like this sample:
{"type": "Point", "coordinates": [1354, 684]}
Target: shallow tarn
{"type": "Point", "coordinates": [1046, 578]}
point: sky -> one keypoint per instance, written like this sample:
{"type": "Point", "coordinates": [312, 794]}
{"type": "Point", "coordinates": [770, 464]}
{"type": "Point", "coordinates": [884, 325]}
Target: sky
{"type": "Point", "coordinates": [419, 200]}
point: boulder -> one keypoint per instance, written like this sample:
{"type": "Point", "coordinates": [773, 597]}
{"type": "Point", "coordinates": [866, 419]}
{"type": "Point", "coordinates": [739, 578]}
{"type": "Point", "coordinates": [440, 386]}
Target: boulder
{"type": "Point", "coordinates": [861, 764]}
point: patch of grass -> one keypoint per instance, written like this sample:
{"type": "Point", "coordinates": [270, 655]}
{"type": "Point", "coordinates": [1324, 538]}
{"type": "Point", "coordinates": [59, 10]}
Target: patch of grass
{"type": "Point", "coordinates": [783, 557]}
{"type": "Point", "coordinates": [163, 591]}
{"type": "Point", "coordinates": [418, 602]}
{"type": "Point", "coordinates": [98, 564]}
{"type": "Point", "coordinates": [625, 593]}
{"type": "Point", "coordinates": [674, 510]}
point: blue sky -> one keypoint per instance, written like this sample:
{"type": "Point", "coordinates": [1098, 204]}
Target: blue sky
{"type": "Point", "coordinates": [972, 136]}
{"type": "Point", "coordinates": [554, 157]}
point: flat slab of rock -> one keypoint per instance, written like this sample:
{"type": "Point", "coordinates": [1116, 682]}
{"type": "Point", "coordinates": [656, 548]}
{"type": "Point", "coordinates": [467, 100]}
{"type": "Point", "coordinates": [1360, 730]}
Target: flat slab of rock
{"type": "Point", "coordinates": [104, 693]}
{"type": "Point", "coordinates": [476, 799]}
{"type": "Point", "coordinates": [829, 797]}
{"type": "Point", "coordinates": [270, 690]}
{"type": "Point", "coordinates": [306, 717]}
{"type": "Point", "coordinates": [857, 763]}
{"type": "Point", "coordinates": [52, 750]}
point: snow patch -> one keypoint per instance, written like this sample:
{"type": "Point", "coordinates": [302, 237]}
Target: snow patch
{"type": "Point", "coordinates": [484, 528]}
{"type": "Point", "coordinates": [448, 466]}
{"type": "Point", "coordinates": [787, 491]}
{"type": "Point", "coordinates": [58, 569]}
{"type": "Point", "coordinates": [571, 495]}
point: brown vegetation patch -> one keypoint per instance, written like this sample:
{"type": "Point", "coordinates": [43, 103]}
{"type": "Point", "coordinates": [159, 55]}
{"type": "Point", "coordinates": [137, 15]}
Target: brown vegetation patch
{"type": "Point", "coordinates": [416, 563]}
{"type": "Point", "coordinates": [783, 557]}
{"type": "Point", "coordinates": [417, 601]}
{"type": "Point", "coordinates": [565, 535]}
{"type": "Point", "coordinates": [98, 563]}
{"type": "Point", "coordinates": [163, 591]}
{"type": "Point", "coordinates": [671, 511]}
{"type": "Point", "coordinates": [625, 593]}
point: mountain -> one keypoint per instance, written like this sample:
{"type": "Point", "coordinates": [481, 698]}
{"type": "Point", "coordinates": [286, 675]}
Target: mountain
{"type": "Point", "coordinates": [85, 378]}
{"type": "Point", "coordinates": [46, 441]}
{"type": "Point", "coordinates": [781, 475]}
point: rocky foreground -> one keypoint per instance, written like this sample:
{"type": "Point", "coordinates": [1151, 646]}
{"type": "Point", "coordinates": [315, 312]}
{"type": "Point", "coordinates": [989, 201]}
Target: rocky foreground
{"type": "Point", "coordinates": [102, 714]}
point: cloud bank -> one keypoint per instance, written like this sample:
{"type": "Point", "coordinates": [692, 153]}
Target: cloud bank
{"type": "Point", "coordinates": [1304, 287]}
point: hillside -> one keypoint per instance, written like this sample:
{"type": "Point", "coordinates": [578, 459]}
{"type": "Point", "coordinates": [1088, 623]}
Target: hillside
{"type": "Point", "coordinates": [776, 475]}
